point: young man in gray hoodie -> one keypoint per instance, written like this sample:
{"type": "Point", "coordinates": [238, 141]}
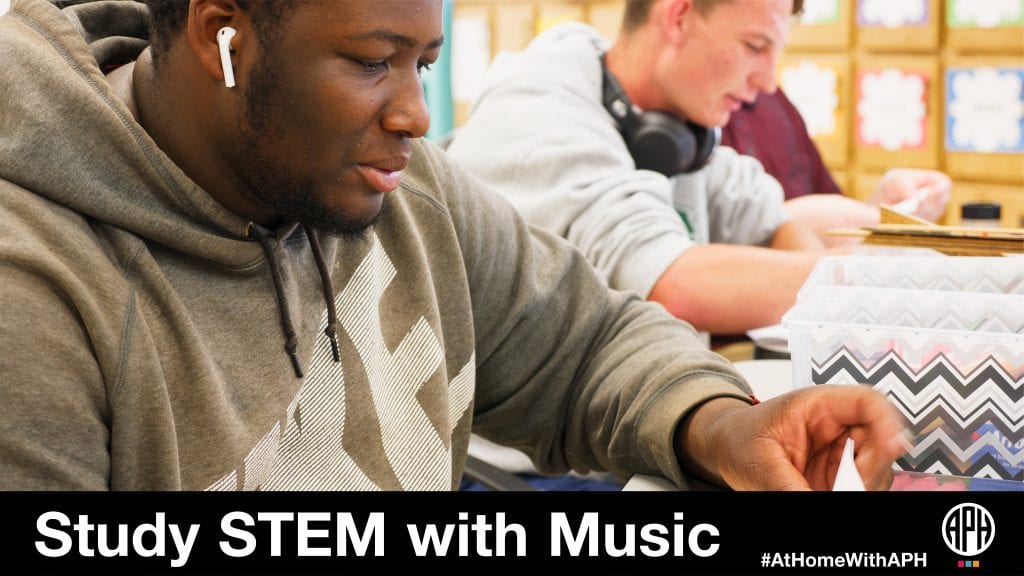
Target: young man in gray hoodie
{"type": "Point", "coordinates": [230, 261]}
{"type": "Point", "coordinates": [644, 193]}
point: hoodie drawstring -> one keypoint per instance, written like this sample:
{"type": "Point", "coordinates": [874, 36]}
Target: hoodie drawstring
{"type": "Point", "coordinates": [291, 341]}
{"type": "Point", "coordinates": [332, 315]}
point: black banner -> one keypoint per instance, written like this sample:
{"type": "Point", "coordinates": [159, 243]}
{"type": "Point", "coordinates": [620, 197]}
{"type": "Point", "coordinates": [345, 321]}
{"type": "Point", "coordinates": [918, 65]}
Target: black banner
{"type": "Point", "coordinates": [591, 533]}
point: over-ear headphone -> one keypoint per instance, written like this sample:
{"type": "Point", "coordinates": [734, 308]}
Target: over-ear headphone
{"type": "Point", "coordinates": [224, 36]}
{"type": "Point", "coordinates": [657, 140]}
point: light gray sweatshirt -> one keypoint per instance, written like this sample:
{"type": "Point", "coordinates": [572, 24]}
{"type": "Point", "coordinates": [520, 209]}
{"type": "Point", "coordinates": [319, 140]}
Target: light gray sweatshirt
{"type": "Point", "coordinates": [141, 327]}
{"type": "Point", "coordinates": [539, 134]}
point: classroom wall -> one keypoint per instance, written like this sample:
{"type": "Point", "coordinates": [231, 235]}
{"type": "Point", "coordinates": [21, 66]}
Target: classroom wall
{"type": "Point", "coordinates": [881, 83]}
{"type": "Point", "coordinates": [483, 28]}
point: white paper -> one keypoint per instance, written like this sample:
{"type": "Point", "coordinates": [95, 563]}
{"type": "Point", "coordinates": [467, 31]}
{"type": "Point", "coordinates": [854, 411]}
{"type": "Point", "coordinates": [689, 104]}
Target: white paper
{"type": "Point", "coordinates": [774, 338]}
{"type": "Point", "coordinates": [773, 332]}
{"type": "Point", "coordinates": [910, 205]}
{"type": "Point", "coordinates": [847, 477]}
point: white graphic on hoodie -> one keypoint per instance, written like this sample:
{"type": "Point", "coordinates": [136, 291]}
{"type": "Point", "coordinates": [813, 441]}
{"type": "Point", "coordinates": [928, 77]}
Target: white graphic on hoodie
{"type": "Point", "coordinates": [312, 456]}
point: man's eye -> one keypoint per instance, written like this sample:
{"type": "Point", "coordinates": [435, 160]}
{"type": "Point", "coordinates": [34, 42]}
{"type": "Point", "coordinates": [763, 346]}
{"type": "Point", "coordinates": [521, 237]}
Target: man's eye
{"type": "Point", "coordinates": [373, 65]}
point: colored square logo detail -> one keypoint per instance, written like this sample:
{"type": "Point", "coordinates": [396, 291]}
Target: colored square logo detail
{"type": "Point", "coordinates": [820, 12]}
{"type": "Point", "coordinates": [983, 110]}
{"type": "Point", "coordinates": [891, 14]}
{"type": "Point", "coordinates": [892, 109]}
{"type": "Point", "coordinates": [975, 14]}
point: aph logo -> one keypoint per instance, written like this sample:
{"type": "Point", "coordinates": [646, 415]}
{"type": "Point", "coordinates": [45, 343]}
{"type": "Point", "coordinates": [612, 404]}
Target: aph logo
{"type": "Point", "coordinates": [968, 529]}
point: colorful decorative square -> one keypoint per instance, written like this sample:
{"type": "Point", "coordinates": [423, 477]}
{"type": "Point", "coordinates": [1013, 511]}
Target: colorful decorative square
{"type": "Point", "coordinates": [892, 13]}
{"type": "Point", "coordinates": [813, 89]}
{"type": "Point", "coordinates": [891, 109]}
{"type": "Point", "coordinates": [984, 13]}
{"type": "Point", "coordinates": [820, 12]}
{"type": "Point", "coordinates": [985, 110]}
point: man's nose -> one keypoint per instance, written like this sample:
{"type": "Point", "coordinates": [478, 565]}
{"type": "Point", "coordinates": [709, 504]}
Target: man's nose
{"type": "Point", "coordinates": [408, 113]}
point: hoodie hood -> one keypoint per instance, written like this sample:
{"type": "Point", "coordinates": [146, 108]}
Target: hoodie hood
{"type": "Point", "coordinates": [52, 83]}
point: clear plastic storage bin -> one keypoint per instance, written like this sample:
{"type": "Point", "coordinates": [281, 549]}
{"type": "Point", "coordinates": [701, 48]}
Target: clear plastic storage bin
{"type": "Point", "coordinates": [947, 273]}
{"type": "Point", "coordinates": [951, 361]}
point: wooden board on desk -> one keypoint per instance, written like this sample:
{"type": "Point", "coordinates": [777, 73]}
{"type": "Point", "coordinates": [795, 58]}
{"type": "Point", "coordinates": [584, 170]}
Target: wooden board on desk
{"type": "Point", "coordinates": [890, 216]}
{"type": "Point", "coordinates": [951, 240]}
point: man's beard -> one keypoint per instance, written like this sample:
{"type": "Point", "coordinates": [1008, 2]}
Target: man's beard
{"type": "Point", "coordinates": [293, 198]}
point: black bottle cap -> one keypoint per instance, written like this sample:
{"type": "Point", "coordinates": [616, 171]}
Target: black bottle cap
{"type": "Point", "coordinates": [980, 211]}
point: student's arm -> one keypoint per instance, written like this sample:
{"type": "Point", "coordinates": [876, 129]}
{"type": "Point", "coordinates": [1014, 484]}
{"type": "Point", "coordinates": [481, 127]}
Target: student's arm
{"type": "Point", "coordinates": [797, 235]}
{"type": "Point", "coordinates": [821, 212]}
{"type": "Point", "coordinates": [728, 289]}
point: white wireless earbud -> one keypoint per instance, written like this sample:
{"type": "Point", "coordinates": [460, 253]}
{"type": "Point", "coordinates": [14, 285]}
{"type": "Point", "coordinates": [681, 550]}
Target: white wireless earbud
{"type": "Point", "coordinates": [224, 36]}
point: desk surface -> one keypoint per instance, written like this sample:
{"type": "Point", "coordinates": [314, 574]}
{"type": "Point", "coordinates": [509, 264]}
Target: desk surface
{"type": "Point", "coordinates": [768, 378]}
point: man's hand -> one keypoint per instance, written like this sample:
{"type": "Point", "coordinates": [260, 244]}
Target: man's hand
{"type": "Point", "coordinates": [928, 189]}
{"type": "Point", "coordinates": [794, 441]}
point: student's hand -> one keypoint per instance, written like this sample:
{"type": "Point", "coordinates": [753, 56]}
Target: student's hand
{"type": "Point", "coordinates": [794, 441]}
{"type": "Point", "coordinates": [928, 189]}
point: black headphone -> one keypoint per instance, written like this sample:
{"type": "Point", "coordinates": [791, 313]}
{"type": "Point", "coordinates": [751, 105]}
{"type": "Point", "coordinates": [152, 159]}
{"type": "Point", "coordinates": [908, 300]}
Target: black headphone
{"type": "Point", "coordinates": [657, 140]}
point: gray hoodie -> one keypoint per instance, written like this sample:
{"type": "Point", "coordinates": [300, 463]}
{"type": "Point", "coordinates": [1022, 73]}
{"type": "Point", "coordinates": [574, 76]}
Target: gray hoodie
{"type": "Point", "coordinates": [143, 332]}
{"type": "Point", "coordinates": [540, 134]}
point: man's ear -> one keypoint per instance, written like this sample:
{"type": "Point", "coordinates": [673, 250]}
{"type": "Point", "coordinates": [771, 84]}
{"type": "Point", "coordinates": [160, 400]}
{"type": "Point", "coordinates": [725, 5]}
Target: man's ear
{"type": "Point", "coordinates": [674, 19]}
{"type": "Point", "coordinates": [205, 19]}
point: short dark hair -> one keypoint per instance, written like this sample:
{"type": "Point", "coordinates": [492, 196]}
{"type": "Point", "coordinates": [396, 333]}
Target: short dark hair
{"type": "Point", "coordinates": [637, 11]}
{"type": "Point", "coordinates": [167, 19]}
